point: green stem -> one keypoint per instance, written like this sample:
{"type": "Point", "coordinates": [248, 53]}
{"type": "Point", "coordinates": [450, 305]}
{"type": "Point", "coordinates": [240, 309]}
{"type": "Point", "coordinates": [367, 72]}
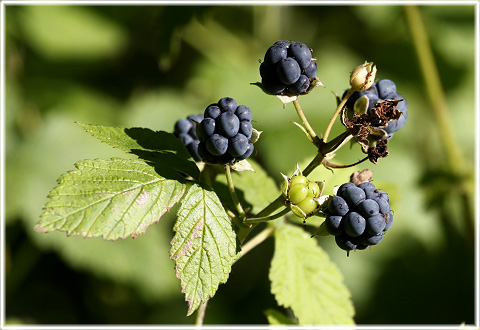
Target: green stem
{"type": "Point", "coordinates": [201, 314]}
{"type": "Point", "coordinates": [437, 98]}
{"type": "Point", "coordinates": [336, 143]}
{"type": "Point", "coordinates": [335, 115]}
{"type": "Point", "coordinates": [305, 122]}
{"type": "Point", "coordinates": [332, 165]}
{"type": "Point", "coordinates": [268, 218]}
{"type": "Point", "coordinates": [255, 241]}
{"type": "Point", "coordinates": [231, 188]}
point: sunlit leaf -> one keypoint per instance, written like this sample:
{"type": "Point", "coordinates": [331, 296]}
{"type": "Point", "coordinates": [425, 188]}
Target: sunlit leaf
{"type": "Point", "coordinates": [204, 245]}
{"type": "Point", "coordinates": [113, 198]}
{"type": "Point", "coordinates": [304, 279]}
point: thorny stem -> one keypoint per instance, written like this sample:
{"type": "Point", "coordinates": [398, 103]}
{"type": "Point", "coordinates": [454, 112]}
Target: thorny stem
{"type": "Point", "coordinates": [231, 188]}
{"type": "Point", "coordinates": [335, 115]}
{"type": "Point", "coordinates": [305, 122]}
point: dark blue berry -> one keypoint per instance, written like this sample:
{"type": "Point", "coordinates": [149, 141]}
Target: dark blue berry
{"type": "Point", "coordinates": [371, 239]}
{"type": "Point", "coordinates": [346, 242]}
{"type": "Point", "coordinates": [246, 129]}
{"type": "Point", "coordinates": [273, 85]}
{"type": "Point", "coordinates": [332, 225]}
{"type": "Point", "coordinates": [216, 144]}
{"type": "Point", "coordinates": [238, 145]}
{"type": "Point", "coordinates": [196, 118]}
{"type": "Point", "coordinates": [368, 208]}
{"type": "Point", "coordinates": [375, 224]}
{"type": "Point", "coordinates": [337, 206]}
{"type": "Point", "coordinates": [206, 128]}
{"type": "Point", "coordinates": [247, 153]}
{"type": "Point", "coordinates": [212, 111]}
{"type": "Point", "coordinates": [182, 125]}
{"type": "Point", "coordinates": [227, 124]}
{"type": "Point", "coordinates": [300, 86]}
{"type": "Point", "coordinates": [354, 224]}
{"type": "Point", "coordinates": [383, 205]}
{"type": "Point", "coordinates": [388, 220]}
{"type": "Point", "coordinates": [185, 138]}
{"type": "Point", "coordinates": [227, 104]}
{"type": "Point", "coordinates": [244, 113]}
{"type": "Point", "coordinates": [311, 70]}
{"type": "Point", "coordinates": [193, 150]}
{"type": "Point", "coordinates": [386, 88]}
{"type": "Point", "coordinates": [343, 187]}
{"type": "Point", "coordinates": [288, 70]}
{"type": "Point", "coordinates": [301, 53]}
{"type": "Point", "coordinates": [275, 54]}
{"type": "Point", "coordinates": [354, 195]}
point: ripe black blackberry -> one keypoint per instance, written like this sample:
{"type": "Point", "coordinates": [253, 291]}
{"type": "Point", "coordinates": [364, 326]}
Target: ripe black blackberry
{"type": "Point", "coordinates": [288, 68]}
{"type": "Point", "coordinates": [225, 132]}
{"type": "Point", "coordinates": [358, 216]}
{"type": "Point", "coordinates": [185, 130]}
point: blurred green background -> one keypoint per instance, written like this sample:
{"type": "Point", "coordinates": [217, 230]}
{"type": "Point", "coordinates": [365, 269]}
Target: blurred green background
{"type": "Point", "coordinates": [150, 65]}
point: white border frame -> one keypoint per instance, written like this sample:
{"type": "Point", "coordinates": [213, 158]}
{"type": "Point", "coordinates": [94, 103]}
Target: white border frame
{"type": "Point", "coordinates": [4, 3]}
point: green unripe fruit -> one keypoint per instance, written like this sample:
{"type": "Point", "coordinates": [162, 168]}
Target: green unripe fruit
{"type": "Point", "coordinates": [308, 205]}
{"type": "Point", "coordinates": [298, 179]}
{"type": "Point", "coordinates": [298, 192]}
{"type": "Point", "coordinates": [313, 189]}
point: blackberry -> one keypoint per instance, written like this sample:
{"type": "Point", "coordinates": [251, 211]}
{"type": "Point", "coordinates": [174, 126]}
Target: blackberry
{"type": "Point", "coordinates": [185, 130]}
{"type": "Point", "coordinates": [288, 68]}
{"type": "Point", "coordinates": [358, 216]}
{"type": "Point", "coordinates": [225, 132]}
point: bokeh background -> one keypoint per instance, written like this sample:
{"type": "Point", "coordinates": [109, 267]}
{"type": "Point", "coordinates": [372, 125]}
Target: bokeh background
{"type": "Point", "coordinates": [150, 65]}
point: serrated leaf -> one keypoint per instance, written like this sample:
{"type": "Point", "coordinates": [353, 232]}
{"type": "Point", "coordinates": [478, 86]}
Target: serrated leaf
{"type": "Point", "coordinates": [158, 147]}
{"type": "Point", "coordinates": [113, 198]}
{"type": "Point", "coordinates": [304, 279]}
{"type": "Point", "coordinates": [204, 246]}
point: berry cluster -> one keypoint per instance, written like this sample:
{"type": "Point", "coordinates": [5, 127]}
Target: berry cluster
{"type": "Point", "coordinates": [302, 194]}
{"type": "Point", "coordinates": [358, 216]}
{"type": "Point", "coordinates": [185, 130]}
{"type": "Point", "coordinates": [288, 68]}
{"type": "Point", "coordinates": [383, 90]}
{"type": "Point", "coordinates": [225, 132]}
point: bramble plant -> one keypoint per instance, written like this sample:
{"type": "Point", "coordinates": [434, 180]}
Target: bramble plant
{"type": "Point", "coordinates": [118, 198]}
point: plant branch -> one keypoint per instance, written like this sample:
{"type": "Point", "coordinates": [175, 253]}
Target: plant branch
{"type": "Point", "coordinates": [231, 188]}
{"type": "Point", "coordinates": [332, 165]}
{"type": "Point", "coordinates": [268, 218]}
{"type": "Point", "coordinates": [255, 241]}
{"type": "Point", "coordinates": [335, 115]}
{"type": "Point", "coordinates": [305, 122]}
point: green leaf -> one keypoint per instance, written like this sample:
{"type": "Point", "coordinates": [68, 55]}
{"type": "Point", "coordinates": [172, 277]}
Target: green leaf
{"type": "Point", "coordinates": [304, 279]}
{"type": "Point", "coordinates": [110, 198]}
{"type": "Point", "coordinates": [157, 147]}
{"type": "Point", "coordinates": [204, 246]}
{"type": "Point", "coordinates": [275, 317]}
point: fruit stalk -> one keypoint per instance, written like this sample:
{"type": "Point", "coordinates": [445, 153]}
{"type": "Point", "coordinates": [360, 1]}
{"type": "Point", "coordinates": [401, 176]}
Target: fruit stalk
{"type": "Point", "coordinates": [305, 122]}
{"type": "Point", "coordinates": [335, 115]}
{"type": "Point", "coordinates": [231, 188]}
